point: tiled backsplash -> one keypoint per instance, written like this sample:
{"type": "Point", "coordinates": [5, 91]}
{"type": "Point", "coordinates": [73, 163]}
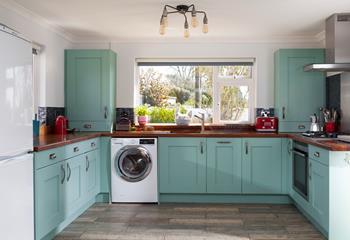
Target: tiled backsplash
{"type": "Point", "coordinates": [128, 112]}
{"type": "Point", "coordinates": [48, 115]}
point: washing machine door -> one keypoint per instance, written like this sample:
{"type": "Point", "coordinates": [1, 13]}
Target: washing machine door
{"type": "Point", "coordinates": [133, 163]}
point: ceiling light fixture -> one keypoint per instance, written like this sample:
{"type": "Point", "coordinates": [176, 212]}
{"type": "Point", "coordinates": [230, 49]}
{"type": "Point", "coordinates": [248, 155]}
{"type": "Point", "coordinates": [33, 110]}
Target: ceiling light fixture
{"type": "Point", "coordinates": [183, 9]}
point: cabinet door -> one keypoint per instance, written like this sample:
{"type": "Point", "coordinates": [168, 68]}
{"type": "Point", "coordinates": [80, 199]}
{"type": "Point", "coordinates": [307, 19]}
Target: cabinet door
{"type": "Point", "coordinates": [49, 198]}
{"type": "Point", "coordinates": [262, 166]}
{"type": "Point", "coordinates": [319, 192]}
{"type": "Point", "coordinates": [298, 93]}
{"type": "Point", "coordinates": [91, 171]}
{"type": "Point", "coordinates": [224, 158]}
{"type": "Point", "coordinates": [182, 165]}
{"type": "Point", "coordinates": [75, 181]}
{"type": "Point", "coordinates": [88, 83]}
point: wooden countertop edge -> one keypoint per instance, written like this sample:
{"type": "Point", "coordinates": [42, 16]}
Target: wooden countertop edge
{"type": "Point", "coordinates": [73, 139]}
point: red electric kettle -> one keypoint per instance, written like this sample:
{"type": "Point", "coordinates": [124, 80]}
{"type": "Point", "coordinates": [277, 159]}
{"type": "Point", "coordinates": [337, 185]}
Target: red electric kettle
{"type": "Point", "coordinates": [61, 125]}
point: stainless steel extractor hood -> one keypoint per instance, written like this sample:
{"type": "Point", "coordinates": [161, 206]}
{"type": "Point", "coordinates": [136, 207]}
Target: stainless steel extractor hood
{"type": "Point", "coordinates": [337, 45]}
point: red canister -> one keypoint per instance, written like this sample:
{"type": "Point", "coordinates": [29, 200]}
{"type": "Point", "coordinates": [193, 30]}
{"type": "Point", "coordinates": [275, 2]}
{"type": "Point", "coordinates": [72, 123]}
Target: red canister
{"type": "Point", "coordinates": [330, 127]}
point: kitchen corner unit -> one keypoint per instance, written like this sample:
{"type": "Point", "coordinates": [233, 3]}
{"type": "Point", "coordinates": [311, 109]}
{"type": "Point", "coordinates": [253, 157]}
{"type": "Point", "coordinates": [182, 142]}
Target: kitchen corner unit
{"type": "Point", "coordinates": [90, 77]}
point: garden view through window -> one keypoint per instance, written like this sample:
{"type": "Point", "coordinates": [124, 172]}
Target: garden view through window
{"type": "Point", "coordinates": [222, 91]}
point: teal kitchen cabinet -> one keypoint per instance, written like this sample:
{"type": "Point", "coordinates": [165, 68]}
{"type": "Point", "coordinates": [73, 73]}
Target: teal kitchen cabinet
{"type": "Point", "coordinates": [75, 184]}
{"type": "Point", "coordinates": [67, 182]}
{"type": "Point", "coordinates": [224, 158]}
{"type": "Point", "coordinates": [262, 166]}
{"type": "Point", "coordinates": [90, 78]}
{"type": "Point", "coordinates": [298, 94]}
{"type": "Point", "coordinates": [49, 198]}
{"type": "Point", "coordinates": [182, 165]}
{"type": "Point", "coordinates": [319, 193]}
{"type": "Point", "coordinates": [92, 169]}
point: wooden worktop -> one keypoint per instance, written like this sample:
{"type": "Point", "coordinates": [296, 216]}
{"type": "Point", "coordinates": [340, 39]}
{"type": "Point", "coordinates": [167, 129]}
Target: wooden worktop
{"type": "Point", "coordinates": [52, 141]}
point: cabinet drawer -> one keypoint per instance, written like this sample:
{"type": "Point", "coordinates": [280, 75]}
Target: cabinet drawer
{"type": "Point", "coordinates": [293, 126]}
{"type": "Point", "coordinates": [319, 154]}
{"type": "Point", "coordinates": [90, 126]}
{"type": "Point", "coordinates": [92, 144]}
{"type": "Point", "coordinates": [76, 149]}
{"type": "Point", "coordinates": [48, 157]}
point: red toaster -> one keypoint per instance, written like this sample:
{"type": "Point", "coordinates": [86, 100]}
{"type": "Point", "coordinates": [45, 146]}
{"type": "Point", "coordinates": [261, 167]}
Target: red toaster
{"type": "Point", "coordinates": [266, 124]}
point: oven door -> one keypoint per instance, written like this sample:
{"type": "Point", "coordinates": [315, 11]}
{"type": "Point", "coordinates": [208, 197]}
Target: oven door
{"type": "Point", "coordinates": [300, 173]}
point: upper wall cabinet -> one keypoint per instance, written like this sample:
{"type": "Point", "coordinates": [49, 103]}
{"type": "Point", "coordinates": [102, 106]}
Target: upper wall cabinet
{"type": "Point", "coordinates": [90, 78]}
{"type": "Point", "coordinates": [298, 94]}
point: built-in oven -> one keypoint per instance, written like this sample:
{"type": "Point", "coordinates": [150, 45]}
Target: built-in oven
{"type": "Point", "coordinates": [301, 169]}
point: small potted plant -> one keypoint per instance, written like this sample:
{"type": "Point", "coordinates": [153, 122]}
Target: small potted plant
{"type": "Point", "coordinates": [142, 113]}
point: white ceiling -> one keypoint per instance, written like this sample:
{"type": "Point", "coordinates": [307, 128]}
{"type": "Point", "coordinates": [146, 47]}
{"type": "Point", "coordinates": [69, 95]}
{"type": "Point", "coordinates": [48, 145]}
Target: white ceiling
{"type": "Point", "coordinates": [229, 20]}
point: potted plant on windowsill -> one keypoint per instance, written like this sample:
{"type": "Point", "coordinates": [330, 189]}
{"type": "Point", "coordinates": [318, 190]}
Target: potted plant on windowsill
{"type": "Point", "coordinates": [142, 115]}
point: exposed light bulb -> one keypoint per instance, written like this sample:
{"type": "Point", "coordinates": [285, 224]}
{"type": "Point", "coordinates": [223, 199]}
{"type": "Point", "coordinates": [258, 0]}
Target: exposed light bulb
{"type": "Point", "coordinates": [186, 32]}
{"type": "Point", "coordinates": [165, 21]}
{"type": "Point", "coordinates": [205, 28]}
{"type": "Point", "coordinates": [161, 29]}
{"type": "Point", "coordinates": [205, 24]}
{"type": "Point", "coordinates": [194, 21]}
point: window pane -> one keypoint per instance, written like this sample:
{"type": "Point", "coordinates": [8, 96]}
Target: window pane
{"type": "Point", "coordinates": [184, 90]}
{"type": "Point", "coordinates": [234, 105]}
{"type": "Point", "coordinates": [235, 71]}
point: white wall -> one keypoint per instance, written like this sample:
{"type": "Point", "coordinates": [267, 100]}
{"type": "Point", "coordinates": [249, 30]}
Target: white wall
{"type": "Point", "coordinates": [51, 72]}
{"type": "Point", "coordinates": [128, 52]}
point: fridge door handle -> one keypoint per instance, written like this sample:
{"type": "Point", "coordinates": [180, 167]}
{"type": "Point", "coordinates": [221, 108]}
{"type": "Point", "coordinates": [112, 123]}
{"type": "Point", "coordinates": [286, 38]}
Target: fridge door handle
{"type": "Point", "coordinates": [20, 153]}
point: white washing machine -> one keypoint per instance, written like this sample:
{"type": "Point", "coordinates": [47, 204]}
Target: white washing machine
{"type": "Point", "coordinates": [134, 170]}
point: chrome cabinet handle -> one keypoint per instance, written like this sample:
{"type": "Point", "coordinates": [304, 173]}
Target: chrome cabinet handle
{"type": "Point", "coordinates": [301, 126]}
{"type": "Point", "coordinates": [52, 156]}
{"type": "Point", "coordinates": [284, 112]}
{"type": "Point", "coordinates": [289, 147]}
{"type": "Point", "coordinates": [64, 174]}
{"type": "Point", "coordinates": [87, 163]}
{"type": "Point", "coordinates": [106, 112]}
{"type": "Point", "coordinates": [246, 148]}
{"type": "Point", "coordinates": [224, 142]}
{"type": "Point", "coordinates": [76, 149]}
{"type": "Point", "coordinates": [202, 148]}
{"type": "Point", "coordinates": [93, 144]}
{"type": "Point", "coordinates": [69, 172]}
{"type": "Point", "coordinates": [310, 171]}
{"type": "Point", "coordinates": [317, 154]}
{"type": "Point", "coordinates": [88, 126]}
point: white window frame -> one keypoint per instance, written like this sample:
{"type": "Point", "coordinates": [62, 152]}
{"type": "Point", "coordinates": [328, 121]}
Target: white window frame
{"type": "Point", "coordinates": [218, 82]}
{"type": "Point", "coordinates": [221, 81]}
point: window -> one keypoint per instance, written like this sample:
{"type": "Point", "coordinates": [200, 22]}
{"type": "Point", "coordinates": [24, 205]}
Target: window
{"type": "Point", "coordinates": [222, 90]}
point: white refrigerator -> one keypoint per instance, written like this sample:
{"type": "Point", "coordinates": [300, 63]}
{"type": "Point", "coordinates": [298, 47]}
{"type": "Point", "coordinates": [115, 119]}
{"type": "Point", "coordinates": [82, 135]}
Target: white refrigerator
{"type": "Point", "coordinates": [16, 137]}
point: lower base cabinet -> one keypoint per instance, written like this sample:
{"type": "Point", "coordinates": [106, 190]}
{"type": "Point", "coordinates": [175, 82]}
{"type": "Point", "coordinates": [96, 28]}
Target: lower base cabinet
{"type": "Point", "coordinates": [75, 184]}
{"type": "Point", "coordinates": [182, 165]}
{"type": "Point", "coordinates": [319, 192]}
{"type": "Point", "coordinates": [224, 173]}
{"type": "Point", "coordinates": [49, 198]}
{"type": "Point", "coordinates": [262, 166]}
{"type": "Point", "coordinates": [221, 166]}
{"type": "Point", "coordinates": [63, 188]}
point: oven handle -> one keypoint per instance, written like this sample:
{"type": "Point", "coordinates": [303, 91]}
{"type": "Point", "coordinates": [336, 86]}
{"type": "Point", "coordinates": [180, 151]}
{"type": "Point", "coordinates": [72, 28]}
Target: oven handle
{"type": "Point", "coordinates": [299, 153]}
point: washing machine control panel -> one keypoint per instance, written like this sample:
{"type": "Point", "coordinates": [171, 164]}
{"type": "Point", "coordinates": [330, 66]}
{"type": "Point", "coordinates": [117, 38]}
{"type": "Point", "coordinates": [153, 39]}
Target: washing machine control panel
{"type": "Point", "coordinates": [147, 141]}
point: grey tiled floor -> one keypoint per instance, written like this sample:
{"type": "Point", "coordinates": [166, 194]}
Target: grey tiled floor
{"type": "Point", "coordinates": [190, 222]}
